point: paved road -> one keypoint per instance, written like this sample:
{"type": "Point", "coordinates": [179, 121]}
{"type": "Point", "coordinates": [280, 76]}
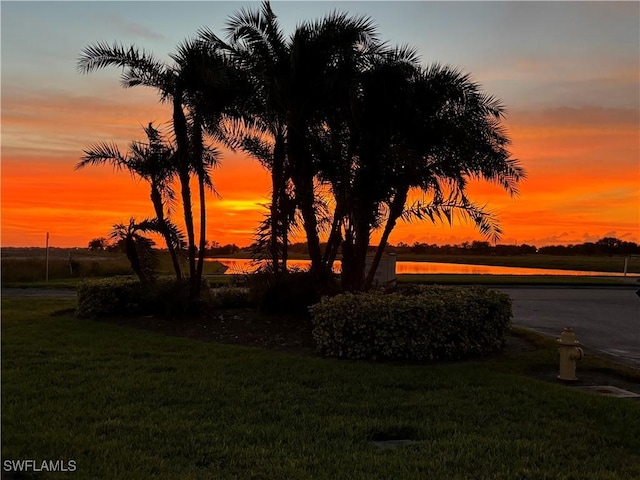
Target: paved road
{"type": "Point", "coordinates": [39, 292]}
{"type": "Point", "coordinates": [605, 319]}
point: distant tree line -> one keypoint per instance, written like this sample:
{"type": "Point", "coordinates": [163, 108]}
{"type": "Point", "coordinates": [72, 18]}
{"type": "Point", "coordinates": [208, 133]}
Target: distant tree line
{"type": "Point", "coordinates": [604, 246]}
{"type": "Point", "coordinates": [214, 248]}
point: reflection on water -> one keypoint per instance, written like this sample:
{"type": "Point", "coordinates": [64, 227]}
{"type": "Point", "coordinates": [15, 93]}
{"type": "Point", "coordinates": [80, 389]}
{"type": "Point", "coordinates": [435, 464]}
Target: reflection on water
{"type": "Point", "coordinates": [244, 265]}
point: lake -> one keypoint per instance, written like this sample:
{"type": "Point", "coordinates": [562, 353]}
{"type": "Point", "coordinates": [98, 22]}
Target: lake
{"type": "Point", "coordinates": [244, 265]}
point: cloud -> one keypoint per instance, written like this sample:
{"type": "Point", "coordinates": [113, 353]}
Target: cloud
{"type": "Point", "coordinates": [130, 28]}
{"type": "Point", "coordinates": [55, 121]}
{"type": "Point", "coordinates": [577, 117]}
{"type": "Point", "coordinates": [582, 166]}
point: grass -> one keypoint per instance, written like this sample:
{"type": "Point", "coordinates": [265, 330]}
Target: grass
{"type": "Point", "coordinates": [546, 354]}
{"type": "Point", "coordinates": [538, 280]}
{"type": "Point", "coordinates": [125, 404]}
{"type": "Point", "coordinates": [24, 270]}
{"type": "Point", "coordinates": [26, 267]}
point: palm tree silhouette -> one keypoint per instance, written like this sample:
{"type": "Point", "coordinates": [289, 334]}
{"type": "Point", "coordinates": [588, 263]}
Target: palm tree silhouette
{"type": "Point", "coordinates": [446, 132]}
{"type": "Point", "coordinates": [258, 47]}
{"type": "Point", "coordinates": [185, 84]}
{"type": "Point", "coordinates": [137, 247]}
{"type": "Point", "coordinates": [297, 80]}
{"type": "Point", "coordinates": [328, 108]}
{"type": "Point", "coordinates": [154, 163]}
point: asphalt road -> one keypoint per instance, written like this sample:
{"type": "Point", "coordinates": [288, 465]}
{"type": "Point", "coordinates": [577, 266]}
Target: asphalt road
{"type": "Point", "coordinates": [604, 319]}
{"type": "Point", "coordinates": [39, 292]}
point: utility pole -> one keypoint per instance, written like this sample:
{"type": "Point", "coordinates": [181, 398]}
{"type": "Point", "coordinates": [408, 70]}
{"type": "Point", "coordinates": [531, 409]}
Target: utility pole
{"type": "Point", "coordinates": [46, 275]}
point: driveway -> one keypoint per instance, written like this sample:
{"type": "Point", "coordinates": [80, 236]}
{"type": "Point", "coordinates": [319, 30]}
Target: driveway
{"type": "Point", "coordinates": [604, 319]}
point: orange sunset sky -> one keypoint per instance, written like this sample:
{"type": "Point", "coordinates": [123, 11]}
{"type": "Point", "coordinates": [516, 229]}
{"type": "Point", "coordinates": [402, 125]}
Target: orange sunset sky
{"type": "Point", "coordinates": [569, 74]}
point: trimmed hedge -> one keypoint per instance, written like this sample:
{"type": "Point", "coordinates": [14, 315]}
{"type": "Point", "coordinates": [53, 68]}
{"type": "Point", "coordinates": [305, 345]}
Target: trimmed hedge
{"type": "Point", "coordinates": [109, 296]}
{"type": "Point", "coordinates": [421, 323]}
{"type": "Point", "coordinates": [229, 297]}
{"type": "Point", "coordinates": [128, 297]}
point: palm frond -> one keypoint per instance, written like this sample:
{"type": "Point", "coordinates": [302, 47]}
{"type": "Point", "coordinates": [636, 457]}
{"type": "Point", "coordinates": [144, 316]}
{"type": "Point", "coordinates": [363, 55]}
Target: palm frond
{"type": "Point", "coordinates": [258, 148]}
{"type": "Point", "coordinates": [102, 153]}
{"type": "Point", "coordinates": [486, 221]}
{"type": "Point", "coordinates": [139, 67]}
{"type": "Point", "coordinates": [206, 35]}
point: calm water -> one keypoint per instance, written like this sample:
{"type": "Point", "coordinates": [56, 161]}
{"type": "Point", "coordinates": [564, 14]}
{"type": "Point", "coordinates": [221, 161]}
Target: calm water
{"type": "Point", "coordinates": [243, 265]}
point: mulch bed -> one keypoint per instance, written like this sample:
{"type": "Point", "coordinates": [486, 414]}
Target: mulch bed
{"type": "Point", "coordinates": [237, 326]}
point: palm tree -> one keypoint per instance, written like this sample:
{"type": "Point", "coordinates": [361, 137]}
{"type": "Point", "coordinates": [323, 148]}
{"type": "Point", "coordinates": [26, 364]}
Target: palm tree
{"type": "Point", "coordinates": [214, 93]}
{"type": "Point", "coordinates": [327, 57]}
{"type": "Point", "coordinates": [138, 248]}
{"type": "Point", "coordinates": [258, 47]}
{"type": "Point", "coordinates": [359, 171]}
{"type": "Point", "coordinates": [152, 162]}
{"type": "Point", "coordinates": [466, 140]}
{"type": "Point", "coordinates": [297, 81]}
{"type": "Point", "coordinates": [436, 132]}
{"type": "Point", "coordinates": [187, 84]}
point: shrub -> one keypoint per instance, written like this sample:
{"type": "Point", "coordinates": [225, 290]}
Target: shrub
{"type": "Point", "coordinates": [425, 323]}
{"type": "Point", "coordinates": [109, 296]}
{"type": "Point", "coordinates": [229, 297]}
{"type": "Point", "coordinates": [169, 298]}
{"type": "Point", "coordinates": [128, 297]}
{"type": "Point", "coordinates": [290, 293]}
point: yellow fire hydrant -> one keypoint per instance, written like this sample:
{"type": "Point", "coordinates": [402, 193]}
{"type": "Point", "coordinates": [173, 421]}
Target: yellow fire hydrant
{"type": "Point", "coordinates": [569, 352]}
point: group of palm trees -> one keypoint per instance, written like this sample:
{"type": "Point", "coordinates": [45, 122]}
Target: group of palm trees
{"type": "Point", "coordinates": [348, 126]}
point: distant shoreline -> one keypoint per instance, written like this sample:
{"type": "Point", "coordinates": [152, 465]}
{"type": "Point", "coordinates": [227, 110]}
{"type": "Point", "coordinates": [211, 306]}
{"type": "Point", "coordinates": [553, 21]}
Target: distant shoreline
{"type": "Point", "coordinates": [590, 263]}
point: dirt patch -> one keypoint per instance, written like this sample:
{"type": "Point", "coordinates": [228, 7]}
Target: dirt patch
{"type": "Point", "coordinates": [237, 326]}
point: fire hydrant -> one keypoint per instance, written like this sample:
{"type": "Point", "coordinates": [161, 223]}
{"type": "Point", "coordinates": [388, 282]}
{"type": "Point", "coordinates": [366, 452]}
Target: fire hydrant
{"type": "Point", "coordinates": [569, 352]}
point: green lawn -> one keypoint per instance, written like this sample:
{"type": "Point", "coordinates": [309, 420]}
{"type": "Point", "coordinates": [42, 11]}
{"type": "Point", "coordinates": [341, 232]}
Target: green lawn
{"type": "Point", "coordinates": [130, 404]}
{"type": "Point", "coordinates": [30, 271]}
{"type": "Point", "coordinates": [539, 280]}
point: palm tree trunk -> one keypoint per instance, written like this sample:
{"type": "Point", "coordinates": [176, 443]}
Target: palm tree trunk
{"type": "Point", "coordinates": [203, 232]}
{"type": "Point", "coordinates": [278, 211]}
{"type": "Point", "coordinates": [335, 237]}
{"type": "Point", "coordinates": [304, 194]}
{"type": "Point", "coordinates": [188, 220]}
{"type": "Point", "coordinates": [354, 252]}
{"type": "Point", "coordinates": [303, 183]}
{"type": "Point", "coordinates": [198, 149]}
{"type": "Point", "coordinates": [360, 255]}
{"type": "Point", "coordinates": [285, 243]}
{"type": "Point", "coordinates": [273, 241]}
{"type": "Point", "coordinates": [156, 199]}
{"type": "Point", "coordinates": [397, 206]}
{"type": "Point", "coordinates": [182, 141]}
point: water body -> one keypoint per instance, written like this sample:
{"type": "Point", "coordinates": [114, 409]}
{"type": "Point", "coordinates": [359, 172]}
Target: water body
{"type": "Point", "coordinates": [244, 265]}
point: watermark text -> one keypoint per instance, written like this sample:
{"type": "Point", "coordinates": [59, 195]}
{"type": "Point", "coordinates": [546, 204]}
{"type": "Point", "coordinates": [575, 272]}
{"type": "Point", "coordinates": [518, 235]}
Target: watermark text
{"type": "Point", "coordinates": [39, 466]}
